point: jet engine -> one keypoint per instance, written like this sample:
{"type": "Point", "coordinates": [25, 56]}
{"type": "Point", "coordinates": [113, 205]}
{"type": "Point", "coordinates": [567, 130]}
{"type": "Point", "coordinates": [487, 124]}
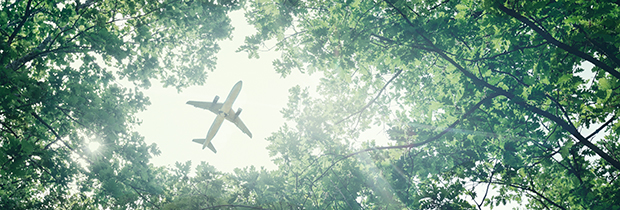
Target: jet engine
{"type": "Point", "coordinates": [238, 112]}
{"type": "Point", "coordinates": [215, 100]}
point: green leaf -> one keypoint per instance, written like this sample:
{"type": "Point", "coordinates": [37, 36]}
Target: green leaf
{"type": "Point", "coordinates": [564, 149]}
{"type": "Point", "coordinates": [563, 79]}
{"type": "Point", "coordinates": [604, 84]}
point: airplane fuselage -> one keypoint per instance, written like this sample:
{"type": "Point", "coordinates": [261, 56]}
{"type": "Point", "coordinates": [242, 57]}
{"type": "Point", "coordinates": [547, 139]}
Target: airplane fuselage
{"type": "Point", "coordinates": [232, 96]}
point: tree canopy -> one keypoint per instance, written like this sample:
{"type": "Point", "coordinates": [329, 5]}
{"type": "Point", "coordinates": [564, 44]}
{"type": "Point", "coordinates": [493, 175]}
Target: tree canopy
{"type": "Point", "coordinates": [477, 95]}
{"type": "Point", "coordinates": [61, 88]}
{"type": "Point", "coordinates": [485, 102]}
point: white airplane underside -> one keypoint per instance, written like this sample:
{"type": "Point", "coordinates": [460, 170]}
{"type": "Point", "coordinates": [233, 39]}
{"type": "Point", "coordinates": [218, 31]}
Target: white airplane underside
{"type": "Point", "coordinates": [223, 111]}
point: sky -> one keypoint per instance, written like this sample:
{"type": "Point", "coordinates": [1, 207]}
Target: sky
{"type": "Point", "coordinates": [172, 124]}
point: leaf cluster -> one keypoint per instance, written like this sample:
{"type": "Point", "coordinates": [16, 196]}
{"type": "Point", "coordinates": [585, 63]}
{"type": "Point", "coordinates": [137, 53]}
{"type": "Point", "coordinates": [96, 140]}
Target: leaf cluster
{"type": "Point", "coordinates": [66, 74]}
{"type": "Point", "coordinates": [485, 96]}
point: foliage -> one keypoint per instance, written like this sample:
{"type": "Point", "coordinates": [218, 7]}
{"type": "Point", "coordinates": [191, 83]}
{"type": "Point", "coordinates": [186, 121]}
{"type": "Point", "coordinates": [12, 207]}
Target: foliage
{"type": "Point", "coordinates": [485, 102]}
{"type": "Point", "coordinates": [60, 88]}
{"type": "Point", "coordinates": [477, 94]}
{"type": "Point", "coordinates": [246, 188]}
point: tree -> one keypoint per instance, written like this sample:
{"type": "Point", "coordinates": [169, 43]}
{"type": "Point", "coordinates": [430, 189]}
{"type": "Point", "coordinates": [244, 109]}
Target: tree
{"type": "Point", "coordinates": [207, 188]}
{"type": "Point", "coordinates": [60, 88]}
{"type": "Point", "coordinates": [477, 94]}
{"type": "Point", "coordinates": [246, 188]}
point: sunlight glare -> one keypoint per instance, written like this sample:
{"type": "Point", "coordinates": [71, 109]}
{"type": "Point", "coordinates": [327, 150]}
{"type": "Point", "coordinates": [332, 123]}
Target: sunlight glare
{"type": "Point", "coordinates": [93, 146]}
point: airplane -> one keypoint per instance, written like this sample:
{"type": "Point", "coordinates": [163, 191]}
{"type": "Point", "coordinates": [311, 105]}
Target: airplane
{"type": "Point", "coordinates": [223, 111]}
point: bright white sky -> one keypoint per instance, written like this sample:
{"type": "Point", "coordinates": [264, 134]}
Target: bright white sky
{"type": "Point", "coordinates": [172, 124]}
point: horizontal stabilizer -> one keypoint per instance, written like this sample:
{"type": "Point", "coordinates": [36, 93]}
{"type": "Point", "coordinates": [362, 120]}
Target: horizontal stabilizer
{"type": "Point", "coordinates": [202, 141]}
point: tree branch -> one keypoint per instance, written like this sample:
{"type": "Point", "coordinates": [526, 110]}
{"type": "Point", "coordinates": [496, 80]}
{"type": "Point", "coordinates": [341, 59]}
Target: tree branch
{"type": "Point", "coordinates": [602, 126]}
{"type": "Point", "coordinates": [605, 49]}
{"type": "Point", "coordinates": [64, 111]}
{"type": "Point", "coordinates": [9, 129]}
{"type": "Point", "coordinates": [515, 99]}
{"type": "Point", "coordinates": [142, 196]}
{"type": "Point", "coordinates": [417, 144]}
{"type": "Point", "coordinates": [374, 99]}
{"type": "Point", "coordinates": [46, 125]}
{"type": "Point", "coordinates": [522, 102]}
{"type": "Point", "coordinates": [486, 192]}
{"type": "Point", "coordinates": [533, 191]}
{"type": "Point", "coordinates": [559, 44]}
{"type": "Point", "coordinates": [58, 138]}
{"type": "Point", "coordinates": [561, 109]}
{"type": "Point", "coordinates": [507, 52]}
{"type": "Point", "coordinates": [16, 64]}
{"type": "Point", "coordinates": [21, 23]}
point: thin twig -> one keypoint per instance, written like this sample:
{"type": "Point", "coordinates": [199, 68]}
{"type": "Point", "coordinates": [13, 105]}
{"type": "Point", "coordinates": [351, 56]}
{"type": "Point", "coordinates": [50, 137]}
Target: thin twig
{"type": "Point", "coordinates": [374, 99]}
{"type": "Point", "coordinates": [602, 126]}
{"type": "Point", "coordinates": [417, 144]}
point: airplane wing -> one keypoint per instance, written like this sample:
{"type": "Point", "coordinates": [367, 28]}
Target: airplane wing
{"type": "Point", "coordinates": [215, 108]}
{"type": "Point", "coordinates": [237, 121]}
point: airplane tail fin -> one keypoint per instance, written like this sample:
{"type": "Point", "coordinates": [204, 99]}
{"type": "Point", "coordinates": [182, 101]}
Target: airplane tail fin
{"type": "Point", "coordinates": [202, 141]}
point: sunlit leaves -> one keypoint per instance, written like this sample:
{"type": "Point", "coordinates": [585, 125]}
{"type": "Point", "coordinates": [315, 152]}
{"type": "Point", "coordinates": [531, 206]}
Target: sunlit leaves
{"type": "Point", "coordinates": [452, 55]}
{"type": "Point", "coordinates": [59, 90]}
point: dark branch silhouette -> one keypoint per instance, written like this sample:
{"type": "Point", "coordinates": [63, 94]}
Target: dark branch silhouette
{"type": "Point", "coordinates": [557, 43]}
{"type": "Point", "coordinates": [515, 99]}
